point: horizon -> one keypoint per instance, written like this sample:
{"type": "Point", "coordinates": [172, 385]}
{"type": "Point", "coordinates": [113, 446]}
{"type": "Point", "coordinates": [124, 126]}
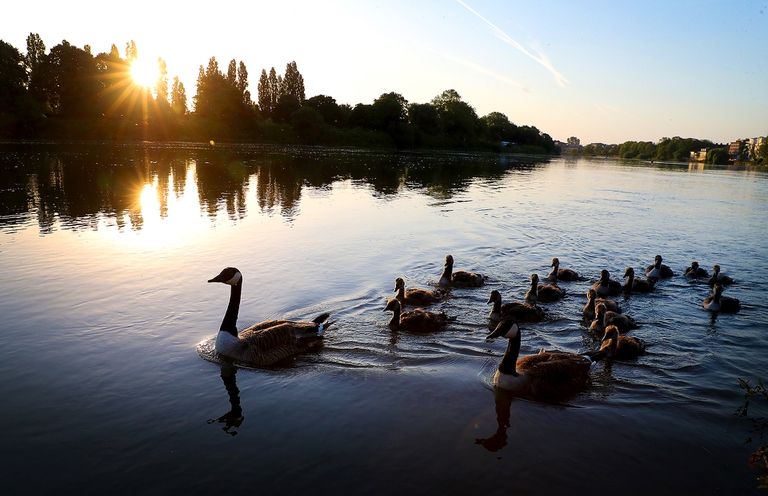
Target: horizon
{"type": "Point", "coordinates": [594, 74]}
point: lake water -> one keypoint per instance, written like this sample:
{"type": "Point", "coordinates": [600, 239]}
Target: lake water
{"type": "Point", "coordinates": [109, 385]}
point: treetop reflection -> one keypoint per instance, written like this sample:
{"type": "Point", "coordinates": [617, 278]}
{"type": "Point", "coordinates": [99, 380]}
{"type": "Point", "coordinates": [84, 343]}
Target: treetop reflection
{"type": "Point", "coordinates": [78, 187]}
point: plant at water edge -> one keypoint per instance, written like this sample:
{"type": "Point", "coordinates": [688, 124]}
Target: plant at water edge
{"type": "Point", "coordinates": [760, 457]}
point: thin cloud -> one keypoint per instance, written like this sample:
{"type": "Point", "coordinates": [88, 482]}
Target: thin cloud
{"type": "Point", "coordinates": [541, 59]}
{"type": "Point", "coordinates": [475, 67]}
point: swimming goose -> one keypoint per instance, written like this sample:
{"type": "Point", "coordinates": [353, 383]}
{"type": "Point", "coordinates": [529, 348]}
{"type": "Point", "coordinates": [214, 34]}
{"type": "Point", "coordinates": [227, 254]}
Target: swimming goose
{"type": "Point", "coordinates": [561, 274]}
{"type": "Point", "coordinates": [545, 293]}
{"type": "Point", "coordinates": [604, 318]}
{"type": "Point", "coordinates": [637, 285]}
{"type": "Point", "coordinates": [658, 270]}
{"type": "Point", "coordinates": [519, 312]}
{"type": "Point", "coordinates": [416, 296]}
{"type": "Point", "coordinates": [460, 278]}
{"type": "Point", "coordinates": [546, 375]}
{"type": "Point", "coordinates": [267, 342]}
{"type": "Point", "coordinates": [621, 347]}
{"type": "Point", "coordinates": [605, 286]}
{"type": "Point", "coordinates": [719, 303]}
{"type": "Point", "coordinates": [718, 278]}
{"type": "Point", "coordinates": [694, 271]}
{"type": "Point", "coordinates": [589, 309]}
{"type": "Point", "coordinates": [416, 320]}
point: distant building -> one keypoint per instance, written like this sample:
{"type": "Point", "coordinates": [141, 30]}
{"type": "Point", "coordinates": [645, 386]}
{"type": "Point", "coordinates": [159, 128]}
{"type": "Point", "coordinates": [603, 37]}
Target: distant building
{"type": "Point", "coordinates": [700, 156]}
{"type": "Point", "coordinates": [568, 148]}
{"type": "Point", "coordinates": [741, 149]}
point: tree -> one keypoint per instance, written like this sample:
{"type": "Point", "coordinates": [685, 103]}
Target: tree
{"type": "Point", "coordinates": [327, 107]}
{"type": "Point", "coordinates": [390, 109]}
{"type": "Point", "coordinates": [293, 83]}
{"type": "Point", "coordinates": [242, 83]}
{"type": "Point", "coordinates": [265, 94]}
{"type": "Point", "coordinates": [424, 117]}
{"type": "Point", "coordinates": [573, 140]}
{"type": "Point", "coordinates": [459, 120]}
{"type": "Point", "coordinates": [16, 108]}
{"type": "Point", "coordinates": [178, 97]}
{"type": "Point", "coordinates": [762, 150]}
{"type": "Point", "coordinates": [35, 52]}
{"type": "Point", "coordinates": [232, 72]}
{"type": "Point", "coordinates": [131, 52]}
{"type": "Point", "coordinates": [498, 126]}
{"type": "Point", "coordinates": [161, 86]}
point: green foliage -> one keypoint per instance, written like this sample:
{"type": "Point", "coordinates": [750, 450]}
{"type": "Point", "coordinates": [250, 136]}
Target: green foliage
{"type": "Point", "coordinates": [718, 156]}
{"type": "Point", "coordinates": [678, 149]}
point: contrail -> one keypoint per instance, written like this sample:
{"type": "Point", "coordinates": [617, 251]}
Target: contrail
{"type": "Point", "coordinates": [541, 59]}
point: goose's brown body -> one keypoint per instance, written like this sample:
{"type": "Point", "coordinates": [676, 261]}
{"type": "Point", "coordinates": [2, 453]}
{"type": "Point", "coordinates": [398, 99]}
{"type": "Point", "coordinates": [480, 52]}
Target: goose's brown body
{"type": "Point", "coordinates": [621, 347]}
{"type": "Point", "coordinates": [605, 286]}
{"type": "Point", "coordinates": [589, 311]}
{"type": "Point", "coordinates": [545, 293]}
{"type": "Point", "coordinates": [416, 296]}
{"type": "Point", "coordinates": [416, 320]}
{"type": "Point", "coordinates": [459, 278]}
{"type": "Point", "coordinates": [519, 312]}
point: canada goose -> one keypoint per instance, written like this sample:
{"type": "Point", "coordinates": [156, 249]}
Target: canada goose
{"type": "Point", "coordinates": [459, 278]}
{"type": "Point", "coordinates": [718, 278]}
{"type": "Point", "coordinates": [605, 286]}
{"type": "Point", "coordinates": [546, 375]}
{"type": "Point", "coordinates": [519, 312]}
{"type": "Point", "coordinates": [621, 347]}
{"type": "Point", "coordinates": [267, 342]}
{"type": "Point", "coordinates": [589, 309]}
{"type": "Point", "coordinates": [719, 303]}
{"type": "Point", "coordinates": [694, 271]}
{"type": "Point", "coordinates": [561, 274]}
{"type": "Point", "coordinates": [658, 270]}
{"type": "Point", "coordinates": [604, 318]}
{"type": "Point", "coordinates": [545, 293]}
{"type": "Point", "coordinates": [416, 296]}
{"type": "Point", "coordinates": [416, 320]}
{"type": "Point", "coordinates": [637, 285]}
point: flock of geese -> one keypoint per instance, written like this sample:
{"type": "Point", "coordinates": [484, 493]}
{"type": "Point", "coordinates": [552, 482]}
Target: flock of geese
{"type": "Point", "coordinates": [547, 374]}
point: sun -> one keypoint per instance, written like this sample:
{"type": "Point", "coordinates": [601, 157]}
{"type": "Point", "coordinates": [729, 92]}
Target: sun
{"type": "Point", "coordinates": [144, 72]}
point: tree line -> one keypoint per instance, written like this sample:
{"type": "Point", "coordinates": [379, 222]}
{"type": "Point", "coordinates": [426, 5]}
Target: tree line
{"type": "Point", "coordinates": [68, 93]}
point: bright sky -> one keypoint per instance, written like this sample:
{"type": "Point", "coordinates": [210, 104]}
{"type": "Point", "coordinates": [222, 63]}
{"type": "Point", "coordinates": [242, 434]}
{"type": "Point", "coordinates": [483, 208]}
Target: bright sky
{"type": "Point", "coordinates": [602, 70]}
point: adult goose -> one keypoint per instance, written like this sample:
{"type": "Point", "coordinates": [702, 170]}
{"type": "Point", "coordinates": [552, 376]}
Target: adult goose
{"type": "Point", "coordinates": [718, 278]}
{"type": "Point", "coordinates": [589, 311]}
{"type": "Point", "coordinates": [561, 274]}
{"type": "Point", "coordinates": [633, 285]}
{"type": "Point", "coordinates": [547, 375]}
{"type": "Point", "coordinates": [416, 296]}
{"type": "Point", "coordinates": [604, 318]}
{"type": "Point", "coordinates": [621, 347]}
{"type": "Point", "coordinates": [267, 342]}
{"type": "Point", "coordinates": [605, 286]}
{"type": "Point", "coordinates": [717, 302]}
{"type": "Point", "coordinates": [658, 270]}
{"type": "Point", "coordinates": [416, 320]}
{"type": "Point", "coordinates": [545, 293]}
{"type": "Point", "coordinates": [519, 312]}
{"type": "Point", "coordinates": [695, 272]}
{"type": "Point", "coordinates": [460, 278]}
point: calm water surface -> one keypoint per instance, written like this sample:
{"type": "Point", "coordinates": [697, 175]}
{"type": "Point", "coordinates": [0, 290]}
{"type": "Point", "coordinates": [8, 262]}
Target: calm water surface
{"type": "Point", "coordinates": [110, 386]}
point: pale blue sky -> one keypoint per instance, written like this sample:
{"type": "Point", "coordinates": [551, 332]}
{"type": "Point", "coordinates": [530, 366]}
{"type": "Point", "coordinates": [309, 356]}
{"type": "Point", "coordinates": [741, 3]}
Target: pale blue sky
{"type": "Point", "coordinates": [604, 71]}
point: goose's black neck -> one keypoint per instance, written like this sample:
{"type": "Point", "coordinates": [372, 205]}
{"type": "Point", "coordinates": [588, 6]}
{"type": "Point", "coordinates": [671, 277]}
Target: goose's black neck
{"type": "Point", "coordinates": [229, 324]}
{"type": "Point", "coordinates": [508, 363]}
{"type": "Point", "coordinates": [497, 306]}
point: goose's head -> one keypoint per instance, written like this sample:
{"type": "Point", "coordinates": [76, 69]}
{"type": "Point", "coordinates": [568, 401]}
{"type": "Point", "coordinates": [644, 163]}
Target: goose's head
{"type": "Point", "coordinates": [657, 260]}
{"type": "Point", "coordinates": [399, 283]}
{"type": "Point", "coordinates": [230, 276]}
{"type": "Point", "coordinates": [694, 265]}
{"type": "Point", "coordinates": [449, 260]}
{"type": "Point", "coordinates": [393, 305]}
{"type": "Point", "coordinates": [506, 329]}
{"type": "Point", "coordinates": [716, 269]}
{"type": "Point", "coordinates": [495, 296]}
{"type": "Point", "coordinates": [604, 276]}
{"type": "Point", "coordinates": [611, 334]}
{"type": "Point", "coordinates": [591, 294]}
{"type": "Point", "coordinates": [555, 262]}
{"type": "Point", "coordinates": [600, 309]}
{"type": "Point", "coordinates": [717, 289]}
{"type": "Point", "coordinates": [630, 272]}
{"type": "Point", "coordinates": [534, 279]}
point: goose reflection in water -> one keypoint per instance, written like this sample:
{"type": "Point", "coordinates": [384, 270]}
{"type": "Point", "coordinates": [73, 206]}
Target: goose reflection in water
{"type": "Point", "coordinates": [234, 417]}
{"type": "Point", "coordinates": [498, 440]}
